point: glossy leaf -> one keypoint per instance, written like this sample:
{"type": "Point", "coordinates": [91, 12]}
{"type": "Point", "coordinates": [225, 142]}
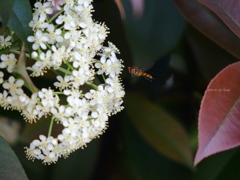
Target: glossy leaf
{"type": "Point", "coordinates": [19, 20]}
{"type": "Point", "coordinates": [227, 11]}
{"type": "Point", "coordinates": [137, 7]}
{"type": "Point", "coordinates": [9, 163]}
{"type": "Point", "coordinates": [79, 165]}
{"type": "Point", "coordinates": [145, 161]}
{"type": "Point", "coordinates": [209, 56]}
{"type": "Point", "coordinates": [208, 24]}
{"type": "Point", "coordinates": [231, 168]}
{"type": "Point", "coordinates": [214, 166]}
{"type": "Point", "coordinates": [120, 8]}
{"type": "Point", "coordinates": [155, 33]}
{"type": "Point", "coordinates": [219, 116]}
{"type": "Point", "coordinates": [6, 10]}
{"type": "Point", "coordinates": [160, 129]}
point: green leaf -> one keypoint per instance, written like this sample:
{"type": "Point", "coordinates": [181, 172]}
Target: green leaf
{"type": "Point", "coordinates": [231, 169]}
{"type": "Point", "coordinates": [79, 165]}
{"type": "Point", "coordinates": [219, 166]}
{"type": "Point", "coordinates": [19, 21]}
{"type": "Point", "coordinates": [145, 162]}
{"type": "Point", "coordinates": [155, 33]}
{"type": "Point", "coordinates": [6, 10]}
{"type": "Point", "coordinates": [10, 167]}
{"type": "Point", "coordinates": [160, 129]}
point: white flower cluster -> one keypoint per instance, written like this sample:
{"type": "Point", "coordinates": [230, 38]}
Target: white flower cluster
{"type": "Point", "coordinates": [70, 43]}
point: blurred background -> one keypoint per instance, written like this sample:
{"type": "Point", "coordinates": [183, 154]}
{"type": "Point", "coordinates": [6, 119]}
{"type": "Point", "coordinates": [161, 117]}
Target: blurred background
{"type": "Point", "coordinates": [155, 136]}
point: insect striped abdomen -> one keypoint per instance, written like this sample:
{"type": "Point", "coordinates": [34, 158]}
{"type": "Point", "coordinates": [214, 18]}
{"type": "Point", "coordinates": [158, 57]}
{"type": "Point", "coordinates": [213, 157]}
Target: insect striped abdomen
{"type": "Point", "coordinates": [135, 71]}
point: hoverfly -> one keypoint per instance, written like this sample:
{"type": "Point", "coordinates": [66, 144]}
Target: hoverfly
{"type": "Point", "coordinates": [135, 71]}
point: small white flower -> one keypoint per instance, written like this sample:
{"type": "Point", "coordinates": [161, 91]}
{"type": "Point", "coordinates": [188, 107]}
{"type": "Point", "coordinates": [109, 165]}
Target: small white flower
{"type": "Point", "coordinates": [60, 113]}
{"type": "Point", "coordinates": [60, 55]}
{"type": "Point", "coordinates": [14, 86]}
{"type": "Point", "coordinates": [97, 97]}
{"type": "Point", "coordinates": [68, 21]}
{"type": "Point", "coordinates": [38, 40]}
{"type": "Point", "coordinates": [63, 83]}
{"type": "Point", "coordinates": [4, 42]}
{"type": "Point", "coordinates": [44, 62]}
{"type": "Point", "coordinates": [57, 4]}
{"type": "Point", "coordinates": [29, 111]}
{"type": "Point", "coordinates": [110, 66]}
{"type": "Point", "coordinates": [46, 59]}
{"type": "Point", "coordinates": [34, 54]}
{"type": "Point", "coordinates": [54, 34]}
{"type": "Point", "coordinates": [94, 114]}
{"type": "Point", "coordinates": [48, 99]}
{"type": "Point", "coordinates": [38, 22]}
{"type": "Point", "coordinates": [81, 76]}
{"type": "Point", "coordinates": [8, 61]}
{"type": "Point", "coordinates": [1, 77]}
{"type": "Point", "coordinates": [42, 9]}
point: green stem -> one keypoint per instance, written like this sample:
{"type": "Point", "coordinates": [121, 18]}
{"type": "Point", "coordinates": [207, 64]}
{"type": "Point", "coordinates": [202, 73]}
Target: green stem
{"type": "Point", "coordinates": [92, 85]}
{"type": "Point", "coordinates": [63, 70]}
{"type": "Point", "coordinates": [51, 126]}
{"type": "Point", "coordinates": [70, 66]}
{"type": "Point", "coordinates": [56, 15]}
{"type": "Point", "coordinates": [104, 78]}
{"type": "Point", "coordinates": [58, 93]}
{"type": "Point", "coordinates": [73, 11]}
{"type": "Point", "coordinates": [18, 52]}
{"type": "Point", "coordinates": [49, 47]}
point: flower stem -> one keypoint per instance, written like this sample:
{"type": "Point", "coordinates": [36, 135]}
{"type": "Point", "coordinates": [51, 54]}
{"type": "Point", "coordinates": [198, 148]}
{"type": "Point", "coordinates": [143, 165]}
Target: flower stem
{"type": "Point", "coordinates": [51, 126]}
{"type": "Point", "coordinates": [63, 70]}
{"type": "Point", "coordinates": [55, 16]}
{"type": "Point", "coordinates": [103, 77]}
{"type": "Point", "coordinates": [20, 69]}
{"type": "Point", "coordinates": [69, 66]}
{"type": "Point", "coordinates": [92, 85]}
{"type": "Point", "coordinates": [18, 52]}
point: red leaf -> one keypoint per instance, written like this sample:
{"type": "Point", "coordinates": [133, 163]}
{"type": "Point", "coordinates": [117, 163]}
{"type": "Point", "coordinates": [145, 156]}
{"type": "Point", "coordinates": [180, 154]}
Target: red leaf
{"type": "Point", "coordinates": [227, 11]}
{"type": "Point", "coordinates": [137, 7]}
{"type": "Point", "coordinates": [219, 116]}
{"type": "Point", "coordinates": [120, 8]}
{"type": "Point", "coordinates": [208, 24]}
